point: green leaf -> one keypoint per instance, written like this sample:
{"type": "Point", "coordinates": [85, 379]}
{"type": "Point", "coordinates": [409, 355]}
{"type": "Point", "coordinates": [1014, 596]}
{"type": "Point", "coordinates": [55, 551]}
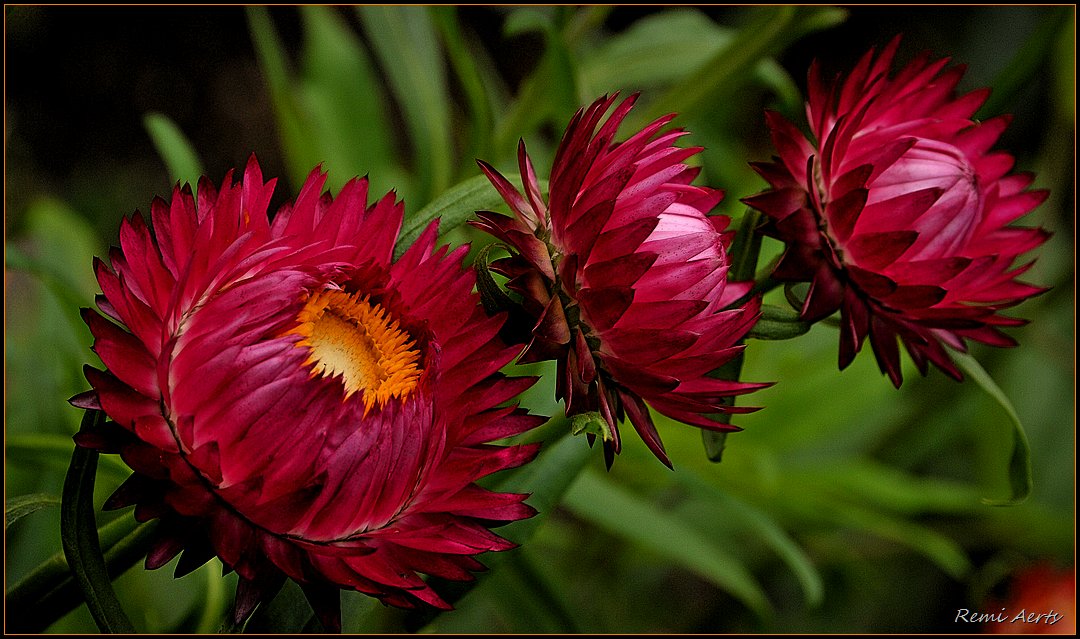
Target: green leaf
{"type": "Point", "coordinates": [289, 612]}
{"type": "Point", "coordinates": [890, 489]}
{"type": "Point", "coordinates": [1025, 65]}
{"type": "Point", "coordinates": [492, 296]}
{"type": "Point", "coordinates": [938, 548]}
{"type": "Point", "coordinates": [174, 147]}
{"type": "Point", "coordinates": [769, 33]}
{"type": "Point", "coordinates": [714, 442]}
{"type": "Point", "coordinates": [826, 498]}
{"type": "Point", "coordinates": [603, 503]}
{"type": "Point", "coordinates": [18, 507]}
{"type": "Point", "coordinates": [407, 45]}
{"type": "Point", "coordinates": [655, 50]}
{"type": "Point", "coordinates": [548, 95]}
{"type": "Point", "coordinates": [591, 423]}
{"type": "Point", "coordinates": [722, 506]}
{"type": "Point", "coordinates": [452, 208]}
{"type": "Point", "coordinates": [53, 450]}
{"type": "Point", "coordinates": [300, 152]}
{"type": "Point", "coordinates": [548, 478]}
{"type": "Point", "coordinates": [49, 591]}
{"type": "Point", "coordinates": [778, 323]}
{"type": "Point", "coordinates": [1020, 461]}
{"type": "Point", "coordinates": [214, 599]}
{"type": "Point", "coordinates": [79, 537]}
{"type": "Point", "coordinates": [464, 59]}
{"type": "Point", "coordinates": [343, 96]}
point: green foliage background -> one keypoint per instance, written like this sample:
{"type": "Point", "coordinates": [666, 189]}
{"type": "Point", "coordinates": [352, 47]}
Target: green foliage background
{"type": "Point", "coordinates": [844, 506]}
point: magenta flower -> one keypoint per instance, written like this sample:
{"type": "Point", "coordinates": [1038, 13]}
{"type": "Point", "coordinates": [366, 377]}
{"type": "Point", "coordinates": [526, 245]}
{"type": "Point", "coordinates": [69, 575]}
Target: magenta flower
{"type": "Point", "coordinates": [897, 212]}
{"type": "Point", "coordinates": [297, 404]}
{"type": "Point", "coordinates": [625, 277]}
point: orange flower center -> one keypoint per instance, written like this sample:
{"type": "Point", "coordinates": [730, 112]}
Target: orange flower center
{"type": "Point", "coordinates": [351, 337]}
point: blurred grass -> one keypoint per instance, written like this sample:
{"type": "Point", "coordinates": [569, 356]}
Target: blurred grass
{"type": "Point", "coordinates": [844, 505]}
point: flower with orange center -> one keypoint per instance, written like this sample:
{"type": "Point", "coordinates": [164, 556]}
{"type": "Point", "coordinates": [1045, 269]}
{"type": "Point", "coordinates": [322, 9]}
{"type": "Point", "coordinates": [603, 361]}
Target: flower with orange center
{"type": "Point", "coordinates": [298, 404]}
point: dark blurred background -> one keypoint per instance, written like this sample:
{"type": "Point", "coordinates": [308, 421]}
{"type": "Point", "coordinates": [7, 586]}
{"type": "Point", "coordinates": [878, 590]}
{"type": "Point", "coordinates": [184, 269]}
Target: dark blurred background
{"type": "Point", "coordinates": [79, 80]}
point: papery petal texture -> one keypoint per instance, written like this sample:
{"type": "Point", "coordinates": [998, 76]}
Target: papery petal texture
{"type": "Point", "coordinates": [898, 212]}
{"type": "Point", "coordinates": [298, 404]}
{"type": "Point", "coordinates": [625, 275]}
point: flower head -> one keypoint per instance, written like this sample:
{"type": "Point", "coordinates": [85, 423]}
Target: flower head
{"type": "Point", "coordinates": [624, 276]}
{"type": "Point", "coordinates": [897, 212]}
{"type": "Point", "coordinates": [296, 403]}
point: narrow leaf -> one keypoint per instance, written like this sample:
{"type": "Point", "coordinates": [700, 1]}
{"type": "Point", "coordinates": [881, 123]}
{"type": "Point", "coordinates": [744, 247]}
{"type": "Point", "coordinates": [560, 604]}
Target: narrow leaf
{"type": "Point", "coordinates": [289, 612]}
{"type": "Point", "coordinates": [453, 208]}
{"type": "Point", "coordinates": [214, 599]}
{"type": "Point", "coordinates": [52, 450]}
{"type": "Point", "coordinates": [548, 477]}
{"type": "Point", "coordinates": [778, 323]}
{"type": "Point", "coordinates": [1025, 64]}
{"type": "Point", "coordinates": [344, 100]}
{"type": "Point", "coordinates": [943, 551]}
{"type": "Point", "coordinates": [1020, 461]}
{"type": "Point", "coordinates": [54, 279]}
{"type": "Point", "coordinates": [549, 94]}
{"type": "Point", "coordinates": [770, 32]}
{"type": "Point", "coordinates": [721, 506]}
{"type": "Point", "coordinates": [18, 507]}
{"type": "Point", "coordinates": [407, 46]}
{"type": "Point", "coordinates": [78, 534]}
{"type": "Point", "coordinates": [601, 502]}
{"type": "Point", "coordinates": [493, 297]}
{"type": "Point", "coordinates": [174, 148]}
{"type": "Point", "coordinates": [464, 61]}
{"type": "Point", "coordinates": [49, 591]}
{"type": "Point", "coordinates": [300, 154]}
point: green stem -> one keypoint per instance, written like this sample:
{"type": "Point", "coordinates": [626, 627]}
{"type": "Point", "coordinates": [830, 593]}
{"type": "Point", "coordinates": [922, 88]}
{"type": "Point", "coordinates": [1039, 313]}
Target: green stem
{"type": "Point", "coordinates": [746, 248]}
{"type": "Point", "coordinates": [49, 592]}
{"type": "Point", "coordinates": [745, 252]}
{"type": "Point", "coordinates": [79, 537]}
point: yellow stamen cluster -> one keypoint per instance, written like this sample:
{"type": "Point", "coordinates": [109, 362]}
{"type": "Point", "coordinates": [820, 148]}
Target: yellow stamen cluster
{"type": "Point", "coordinates": [351, 337]}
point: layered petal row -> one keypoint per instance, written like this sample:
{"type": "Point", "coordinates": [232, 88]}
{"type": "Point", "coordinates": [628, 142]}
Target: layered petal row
{"type": "Point", "coordinates": [298, 404]}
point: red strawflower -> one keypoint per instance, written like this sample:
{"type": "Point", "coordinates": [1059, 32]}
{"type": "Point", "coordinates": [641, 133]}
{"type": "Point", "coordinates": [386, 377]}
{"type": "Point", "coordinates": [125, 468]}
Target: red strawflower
{"type": "Point", "coordinates": [625, 277]}
{"type": "Point", "coordinates": [296, 403]}
{"type": "Point", "coordinates": [897, 212]}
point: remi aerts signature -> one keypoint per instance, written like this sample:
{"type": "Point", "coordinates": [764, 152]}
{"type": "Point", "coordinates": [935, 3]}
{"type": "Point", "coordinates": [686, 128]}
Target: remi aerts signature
{"type": "Point", "coordinates": [1023, 616]}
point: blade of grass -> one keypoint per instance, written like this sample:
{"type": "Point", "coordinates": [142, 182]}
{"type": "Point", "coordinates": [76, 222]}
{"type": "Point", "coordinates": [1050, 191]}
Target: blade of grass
{"type": "Point", "coordinates": [406, 44]}
{"type": "Point", "coordinates": [79, 537]}
{"type": "Point", "coordinates": [464, 63]}
{"type": "Point", "coordinates": [1020, 480]}
{"type": "Point", "coordinates": [1024, 66]}
{"type": "Point", "coordinates": [770, 32]}
{"type": "Point", "coordinates": [18, 507]}
{"type": "Point", "coordinates": [549, 94]}
{"type": "Point", "coordinates": [606, 505]}
{"type": "Point", "coordinates": [53, 450]}
{"type": "Point", "coordinates": [453, 207]}
{"type": "Point", "coordinates": [50, 592]}
{"type": "Point", "coordinates": [300, 154]}
{"type": "Point", "coordinates": [344, 96]}
{"type": "Point", "coordinates": [722, 506]}
{"type": "Point", "coordinates": [174, 148]}
{"type": "Point", "coordinates": [547, 477]}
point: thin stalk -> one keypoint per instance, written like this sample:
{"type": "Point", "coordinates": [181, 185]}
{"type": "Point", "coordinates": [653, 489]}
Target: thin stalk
{"type": "Point", "coordinates": [745, 252]}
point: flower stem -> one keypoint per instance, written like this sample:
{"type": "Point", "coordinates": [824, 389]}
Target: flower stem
{"type": "Point", "coordinates": [79, 537]}
{"type": "Point", "coordinates": [745, 251]}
